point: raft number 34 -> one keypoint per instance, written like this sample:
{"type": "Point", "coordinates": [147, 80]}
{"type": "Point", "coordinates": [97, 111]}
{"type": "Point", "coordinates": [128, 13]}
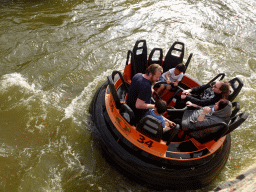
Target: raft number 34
{"type": "Point", "coordinates": [142, 139]}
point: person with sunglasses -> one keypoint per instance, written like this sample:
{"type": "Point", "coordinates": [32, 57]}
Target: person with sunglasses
{"type": "Point", "coordinates": [204, 95]}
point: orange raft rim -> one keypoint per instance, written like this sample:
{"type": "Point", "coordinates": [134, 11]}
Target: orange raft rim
{"type": "Point", "coordinates": [177, 164]}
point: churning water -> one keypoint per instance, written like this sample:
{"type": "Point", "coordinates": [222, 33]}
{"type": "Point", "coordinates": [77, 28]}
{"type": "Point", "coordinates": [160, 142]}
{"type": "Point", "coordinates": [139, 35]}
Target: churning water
{"type": "Point", "coordinates": [55, 54]}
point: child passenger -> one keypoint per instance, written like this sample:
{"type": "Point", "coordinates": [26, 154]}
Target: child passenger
{"type": "Point", "coordinates": [174, 76]}
{"type": "Point", "coordinates": [158, 111]}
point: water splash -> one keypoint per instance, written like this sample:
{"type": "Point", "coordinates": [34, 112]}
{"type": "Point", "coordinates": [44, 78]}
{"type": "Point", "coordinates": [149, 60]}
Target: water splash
{"type": "Point", "coordinates": [79, 104]}
{"type": "Point", "coordinates": [17, 80]}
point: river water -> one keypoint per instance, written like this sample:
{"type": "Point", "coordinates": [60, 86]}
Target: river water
{"type": "Point", "coordinates": [54, 54]}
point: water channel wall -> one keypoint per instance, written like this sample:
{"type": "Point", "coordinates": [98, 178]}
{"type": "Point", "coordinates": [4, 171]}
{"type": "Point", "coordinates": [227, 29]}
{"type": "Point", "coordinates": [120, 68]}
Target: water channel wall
{"type": "Point", "coordinates": [245, 182]}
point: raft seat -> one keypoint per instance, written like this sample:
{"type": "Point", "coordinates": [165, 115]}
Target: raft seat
{"type": "Point", "coordinates": [235, 108]}
{"type": "Point", "coordinates": [236, 121]}
{"type": "Point", "coordinates": [151, 127]}
{"type": "Point", "coordinates": [119, 96]}
{"type": "Point", "coordinates": [152, 59]}
{"type": "Point", "coordinates": [235, 83]}
{"type": "Point", "coordinates": [215, 132]}
{"type": "Point", "coordinates": [211, 132]}
{"type": "Point", "coordinates": [140, 56]}
{"type": "Point", "coordinates": [171, 59]}
{"type": "Point", "coordinates": [130, 59]}
{"type": "Point", "coordinates": [236, 86]}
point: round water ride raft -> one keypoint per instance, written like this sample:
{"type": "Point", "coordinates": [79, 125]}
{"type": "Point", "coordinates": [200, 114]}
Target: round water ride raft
{"type": "Point", "coordinates": [181, 161]}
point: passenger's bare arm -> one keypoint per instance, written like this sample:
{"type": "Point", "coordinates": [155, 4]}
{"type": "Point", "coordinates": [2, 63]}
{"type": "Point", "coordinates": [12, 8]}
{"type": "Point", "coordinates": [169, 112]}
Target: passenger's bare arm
{"type": "Point", "coordinates": [140, 104]}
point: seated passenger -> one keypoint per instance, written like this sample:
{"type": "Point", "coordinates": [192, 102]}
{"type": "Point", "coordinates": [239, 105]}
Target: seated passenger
{"type": "Point", "coordinates": [174, 76]}
{"type": "Point", "coordinates": [158, 111]}
{"type": "Point", "coordinates": [205, 116]}
{"type": "Point", "coordinates": [140, 91]}
{"type": "Point", "coordinates": [204, 95]}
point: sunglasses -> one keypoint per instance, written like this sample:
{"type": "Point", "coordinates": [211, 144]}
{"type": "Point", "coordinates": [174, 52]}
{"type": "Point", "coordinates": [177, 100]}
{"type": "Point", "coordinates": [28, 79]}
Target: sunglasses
{"type": "Point", "coordinates": [212, 83]}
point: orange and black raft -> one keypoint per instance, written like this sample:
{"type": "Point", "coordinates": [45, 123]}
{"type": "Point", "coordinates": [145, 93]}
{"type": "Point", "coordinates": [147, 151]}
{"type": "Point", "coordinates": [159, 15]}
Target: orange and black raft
{"type": "Point", "coordinates": [179, 162]}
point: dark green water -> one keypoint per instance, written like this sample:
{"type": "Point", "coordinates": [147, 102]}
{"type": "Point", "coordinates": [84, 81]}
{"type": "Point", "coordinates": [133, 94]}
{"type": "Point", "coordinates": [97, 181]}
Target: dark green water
{"type": "Point", "coordinates": [55, 54]}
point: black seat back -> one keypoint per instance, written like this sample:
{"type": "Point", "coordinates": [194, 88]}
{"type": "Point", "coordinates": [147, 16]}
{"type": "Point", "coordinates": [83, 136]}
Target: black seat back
{"type": "Point", "coordinates": [237, 121]}
{"type": "Point", "coordinates": [114, 92]}
{"type": "Point", "coordinates": [140, 56]}
{"type": "Point", "coordinates": [152, 59]}
{"type": "Point", "coordinates": [151, 127]}
{"type": "Point", "coordinates": [123, 89]}
{"type": "Point", "coordinates": [188, 61]}
{"type": "Point", "coordinates": [222, 132]}
{"type": "Point", "coordinates": [236, 85]}
{"type": "Point", "coordinates": [174, 56]}
{"type": "Point", "coordinates": [119, 94]}
{"type": "Point", "coordinates": [235, 108]}
{"type": "Point", "coordinates": [205, 134]}
{"type": "Point", "coordinates": [130, 59]}
{"type": "Point", "coordinates": [220, 76]}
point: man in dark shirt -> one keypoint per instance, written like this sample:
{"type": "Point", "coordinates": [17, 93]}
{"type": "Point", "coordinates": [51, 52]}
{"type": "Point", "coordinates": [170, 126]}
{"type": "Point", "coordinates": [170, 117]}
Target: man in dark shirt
{"type": "Point", "coordinates": [140, 91]}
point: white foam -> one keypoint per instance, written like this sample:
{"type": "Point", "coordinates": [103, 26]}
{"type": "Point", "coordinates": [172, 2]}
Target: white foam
{"type": "Point", "coordinates": [15, 79]}
{"type": "Point", "coordinates": [28, 96]}
{"type": "Point", "coordinates": [78, 104]}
